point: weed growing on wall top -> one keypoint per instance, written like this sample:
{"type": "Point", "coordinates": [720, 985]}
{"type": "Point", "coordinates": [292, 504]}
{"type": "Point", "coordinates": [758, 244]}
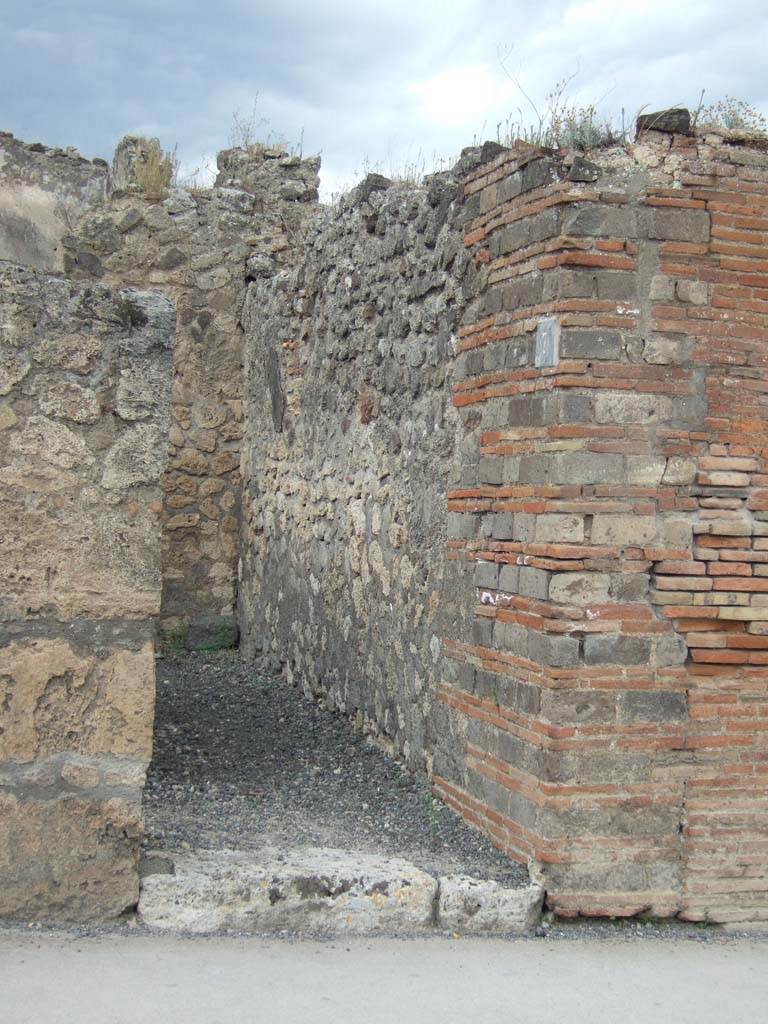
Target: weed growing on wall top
{"type": "Point", "coordinates": [561, 124]}
{"type": "Point", "coordinates": [251, 131]}
{"type": "Point", "coordinates": [734, 115]}
{"type": "Point", "coordinates": [155, 171]}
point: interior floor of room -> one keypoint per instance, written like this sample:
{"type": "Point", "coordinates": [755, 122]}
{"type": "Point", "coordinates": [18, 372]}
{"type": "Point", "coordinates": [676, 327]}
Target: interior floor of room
{"type": "Point", "coordinates": [243, 760]}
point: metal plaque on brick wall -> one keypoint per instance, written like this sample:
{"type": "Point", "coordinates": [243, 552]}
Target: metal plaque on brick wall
{"type": "Point", "coordinates": [547, 351]}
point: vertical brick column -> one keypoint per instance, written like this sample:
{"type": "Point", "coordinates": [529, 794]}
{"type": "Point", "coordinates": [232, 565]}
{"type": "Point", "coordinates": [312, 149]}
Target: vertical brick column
{"type": "Point", "coordinates": [612, 702]}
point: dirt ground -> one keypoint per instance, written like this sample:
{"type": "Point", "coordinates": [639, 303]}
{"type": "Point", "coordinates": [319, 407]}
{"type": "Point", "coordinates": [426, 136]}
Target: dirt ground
{"type": "Point", "coordinates": [244, 760]}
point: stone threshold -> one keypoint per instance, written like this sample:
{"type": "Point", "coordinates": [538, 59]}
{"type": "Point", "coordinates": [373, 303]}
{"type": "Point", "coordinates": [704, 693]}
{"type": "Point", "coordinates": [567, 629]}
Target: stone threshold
{"type": "Point", "coordinates": [321, 891]}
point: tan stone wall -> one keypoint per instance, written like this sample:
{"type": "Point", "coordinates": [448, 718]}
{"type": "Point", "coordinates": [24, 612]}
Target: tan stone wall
{"type": "Point", "coordinates": [199, 248]}
{"type": "Point", "coordinates": [85, 377]}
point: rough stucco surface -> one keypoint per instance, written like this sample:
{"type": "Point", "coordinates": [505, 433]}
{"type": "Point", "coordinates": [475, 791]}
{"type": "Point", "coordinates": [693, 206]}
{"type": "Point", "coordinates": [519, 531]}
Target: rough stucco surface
{"type": "Point", "coordinates": [85, 377]}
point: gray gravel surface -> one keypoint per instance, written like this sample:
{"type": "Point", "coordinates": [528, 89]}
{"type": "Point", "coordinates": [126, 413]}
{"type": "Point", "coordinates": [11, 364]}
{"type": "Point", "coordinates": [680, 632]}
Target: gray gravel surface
{"type": "Point", "coordinates": [244, 760]}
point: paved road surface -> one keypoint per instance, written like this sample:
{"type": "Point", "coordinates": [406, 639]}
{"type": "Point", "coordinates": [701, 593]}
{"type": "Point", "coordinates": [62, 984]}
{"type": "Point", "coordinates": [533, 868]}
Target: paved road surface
{"type": "Point", "coordinates": [117, 979]}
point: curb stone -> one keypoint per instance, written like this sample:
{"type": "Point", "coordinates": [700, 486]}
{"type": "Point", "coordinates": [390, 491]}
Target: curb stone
{"type": "Point", "coordinates": [321, 891]}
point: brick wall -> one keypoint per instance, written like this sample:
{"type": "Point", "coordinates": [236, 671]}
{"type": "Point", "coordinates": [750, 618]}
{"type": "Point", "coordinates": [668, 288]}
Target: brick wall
{"type": "Point", "coordinates": [612, 700]}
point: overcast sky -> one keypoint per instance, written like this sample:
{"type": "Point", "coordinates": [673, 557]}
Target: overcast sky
{"type": "Point", "coordinates": [368, 85]}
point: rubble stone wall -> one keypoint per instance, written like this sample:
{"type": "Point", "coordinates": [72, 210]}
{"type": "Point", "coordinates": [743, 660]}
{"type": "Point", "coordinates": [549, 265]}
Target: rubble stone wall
{"type": "Point", "coordinates": [575, 649]}
{"type": "Point", "coordinates": [501, 444]}
{"type": "Point", "coordinates": [199, 247]}
{"type": "Point", "coordinates": [85, 377]}
{"type": "Point", "coordinates": [43, 192]}
{"type": "Point", "coordinates": [350, 434]}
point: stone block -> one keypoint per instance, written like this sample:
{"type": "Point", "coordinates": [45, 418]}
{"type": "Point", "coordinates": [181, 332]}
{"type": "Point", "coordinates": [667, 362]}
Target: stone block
{"type": "Point", "coordinates": [534, 582]}
{"type": "Point", "coordinates": [623, 530]}
{"type": "Point", "coordinates": [694, 292]}
{"type": "Point", "coordinates": [486, 575]}
{"type": "Point", "coordinates": [571, 467]}
{"type": "Point", "coordinates": [674, 224]}
{"type": "Point", "coordinates": [502, 526]}
{"type": "Point", "coordinates": [591, 344]}
{"type": "Point", "coordinates": [578, 707]}
{"type": "Point", "coordinates": [55, 698]}
{"type": "Point", "coordinates": [612, 649]}
{"type": "Point", "coordinates": [509, 578]}
{"type": "Point", "coordinates": [559, 528]}
{"type": "Point", "coordinates": [461, 527]}
{"type": "Point", "coordinates": [580, 588]}
{"type": "Point", "coordinates": [553, 650]}
{"type": "Point", "coordinates": [630, 407]}
{"type": "Point", "coordinates": [674, 120]}
{"type": "Point", "coordinates": [470, 906]}
{"type": "Point", "coordinates": [653, 706]}
{"type": "Point", "coordinates": [491, 470]}
{"type": "Point", "coordinates": [71, 857]}
{"type": "Point", "coordinates": [594, 219]}
{"type": "Point", "coordinates": [313, 891]}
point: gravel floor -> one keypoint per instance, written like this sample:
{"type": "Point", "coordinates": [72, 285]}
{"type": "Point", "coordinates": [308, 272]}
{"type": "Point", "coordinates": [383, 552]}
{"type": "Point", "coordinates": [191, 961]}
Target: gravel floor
{"type": "Point", "coordinates": [243, 760]}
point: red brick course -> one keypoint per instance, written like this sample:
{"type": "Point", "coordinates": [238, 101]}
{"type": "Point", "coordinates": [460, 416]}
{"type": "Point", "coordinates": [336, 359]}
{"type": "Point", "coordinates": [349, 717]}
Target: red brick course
{"type": "Point", "coordinates": [614, 697]}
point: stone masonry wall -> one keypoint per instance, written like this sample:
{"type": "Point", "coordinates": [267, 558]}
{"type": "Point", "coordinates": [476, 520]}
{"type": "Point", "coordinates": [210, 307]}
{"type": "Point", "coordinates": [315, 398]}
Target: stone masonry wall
{"type": "Point", "coordinates": [42, 194]}
{"type": "Point", "coordinates": [612, 701]}
{"type": "Point", "coordinates": [85, 375]}
{"type": "Point", "coordinates": [199, 247]}
{"type": "Point", "coordinates": [350, 437]}
{"type": "Point", "coordinates": [581, 669]}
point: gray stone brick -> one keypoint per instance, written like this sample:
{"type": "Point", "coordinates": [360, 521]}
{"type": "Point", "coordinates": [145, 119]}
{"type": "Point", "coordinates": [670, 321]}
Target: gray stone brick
{"type": "Point", "coordinates": [516, 353]}
{"type": "Point", "coordinates": [510, 187]}
{"type": "Point", "coordinates": [653, 706]}
{"type": "Point", "coordinates": [502, 526]}
{"type": "Point", "coordinates": [534, 582]}
{"type": "Point", "coordinates": [527, 698]}
{"type": "Point", "coordinates": [555, 651]}
{"type": "Point", "coordinates": [593, 344]}
{"type": "Point", "coordinates": [613, 649]}
{"type": "Point", "coordinates": [515, 639]}
{"type": "Point", "coordinates": [486, 575]}
{"type": "Point", "coordinates": [617, 285]}
{"type": "Point", "coordinates": [492, 301]}
{"type": "Point", "coordinates": [482, 632]}
{"type": "Point", "coordinates": [575, 707]}
{"type": "Point", "coordinates": [671, 650]}
{"type": "Point", "coordinates": [491, 469]}
{"type": "Point", "coordinates": [674, 225]}
{"type": "Point", "coordinates": [523, 291]}
{"type": "Point", "coordinates": [525, 527]}
{"type": "Point", "coordinates": [569, 284]}
{"type": "Point", "coordinates": [509, 578]}
{"type": "Point", "coordinates": [571, 468]}
{"type": "Point", "coordinates": [509, 239]}
{"type": "Point", "coordinates": [538, 172]}
{"type": "Point", "coordinates": [461, 527]}
{"type": "Point", "coordinates": [459, 673]}
{"type": "Point", "coordinates": [629, 586]}
{"type": "Point", "coordinates": [511, 469]}
{"type": "Point", "coordinates": [597, 219]}
{"type": "Point", "coordinates": [493, 357]}
{"type": "Point", "coordinates": [544, 225]}
{"type": "Point", "coordinates": [566, 408]}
